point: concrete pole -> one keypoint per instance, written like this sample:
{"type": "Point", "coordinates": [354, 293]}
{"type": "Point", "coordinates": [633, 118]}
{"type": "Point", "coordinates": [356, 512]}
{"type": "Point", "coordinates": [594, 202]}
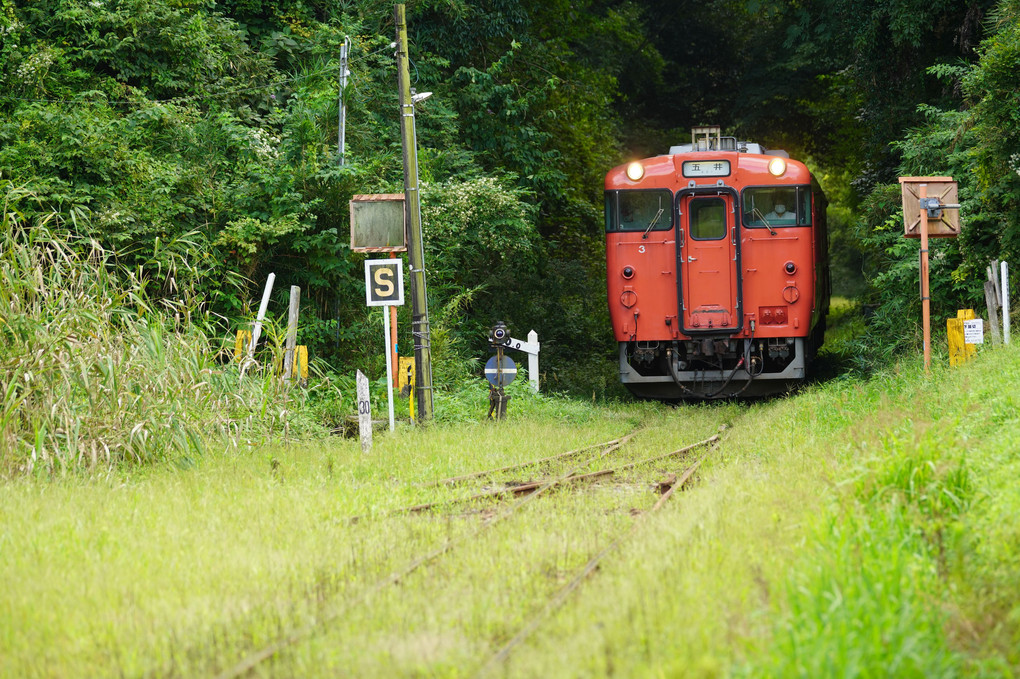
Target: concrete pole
{"type": "Point", "coordinates": [415, 247]}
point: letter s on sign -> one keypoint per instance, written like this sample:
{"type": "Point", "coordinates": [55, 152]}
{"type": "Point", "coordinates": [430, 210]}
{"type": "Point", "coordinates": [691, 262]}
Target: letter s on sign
{"type": "Point", "coordinates": [384, 281]}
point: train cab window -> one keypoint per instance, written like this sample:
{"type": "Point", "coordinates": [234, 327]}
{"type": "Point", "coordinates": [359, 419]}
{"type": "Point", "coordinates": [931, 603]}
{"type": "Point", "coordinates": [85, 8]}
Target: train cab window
{"type": "Point", "coordinates": [641, 210]}
{"type": "Point", "coordinates": [772, 206]}
{"type": "Point", "coordinates": [708, 218]}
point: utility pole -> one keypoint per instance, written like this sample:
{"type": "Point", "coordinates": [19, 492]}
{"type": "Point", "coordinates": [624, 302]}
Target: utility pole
{"type": "Point", "coordinates": [412, 212]}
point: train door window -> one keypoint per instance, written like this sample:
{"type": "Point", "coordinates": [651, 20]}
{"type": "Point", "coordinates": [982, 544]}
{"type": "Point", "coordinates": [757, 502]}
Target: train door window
{"type": "Point", "coordinates": [646, 210]}
{"type": "Point", "coordinates": [708, 218]}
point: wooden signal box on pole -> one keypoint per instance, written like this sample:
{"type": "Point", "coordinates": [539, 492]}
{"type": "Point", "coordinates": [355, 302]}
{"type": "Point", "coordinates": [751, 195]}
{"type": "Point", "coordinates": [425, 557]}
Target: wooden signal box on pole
{"type": "Point", "coordinates": [927, 213]}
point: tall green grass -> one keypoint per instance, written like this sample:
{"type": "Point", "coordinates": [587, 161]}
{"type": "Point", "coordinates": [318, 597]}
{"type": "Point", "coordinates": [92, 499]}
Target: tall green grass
{"type": "Point", "coordinates": [92, 372]}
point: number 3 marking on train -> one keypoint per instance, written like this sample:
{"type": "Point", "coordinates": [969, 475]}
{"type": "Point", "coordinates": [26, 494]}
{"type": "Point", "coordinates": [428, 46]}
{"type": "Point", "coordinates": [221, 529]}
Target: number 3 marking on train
{"type": "Point", "coordinates": [641, 249]}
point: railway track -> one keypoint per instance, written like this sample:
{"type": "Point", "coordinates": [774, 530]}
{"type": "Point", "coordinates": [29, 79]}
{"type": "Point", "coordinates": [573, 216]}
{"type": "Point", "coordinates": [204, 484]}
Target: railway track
{"type": "Point", "coordinates": [522, 494]}
{"type": "Point", "coordinates": [561, 595]}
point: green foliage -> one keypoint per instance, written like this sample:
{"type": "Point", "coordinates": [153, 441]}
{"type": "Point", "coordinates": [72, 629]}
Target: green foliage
{"type": "Point", "coordinates": [479, 232]}
{"type": "Point", "coordinates": [184, 131]}
{"type": "Point", "coordinates": [977, 145]}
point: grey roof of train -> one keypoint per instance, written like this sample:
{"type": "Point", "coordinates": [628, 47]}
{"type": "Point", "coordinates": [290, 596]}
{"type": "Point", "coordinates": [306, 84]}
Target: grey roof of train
{"type": "Point", "coordinates": [742, 146]}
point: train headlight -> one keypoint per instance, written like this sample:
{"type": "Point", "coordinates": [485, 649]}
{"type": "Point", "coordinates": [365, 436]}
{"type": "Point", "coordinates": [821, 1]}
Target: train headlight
{"type": "Point", "coordinates": [635, 171]}
{"type": "Point", "coordinates": [777, 166]}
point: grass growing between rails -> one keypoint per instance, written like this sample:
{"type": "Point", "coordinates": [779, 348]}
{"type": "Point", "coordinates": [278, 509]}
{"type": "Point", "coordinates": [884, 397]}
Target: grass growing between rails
{"type": "Point", "coordinates": [862, 527]}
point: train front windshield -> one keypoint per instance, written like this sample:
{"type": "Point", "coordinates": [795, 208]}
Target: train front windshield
{"type": "Point", "coordinates": [777, 206]}
{"type": "Point", "coordinates": [639, 210]}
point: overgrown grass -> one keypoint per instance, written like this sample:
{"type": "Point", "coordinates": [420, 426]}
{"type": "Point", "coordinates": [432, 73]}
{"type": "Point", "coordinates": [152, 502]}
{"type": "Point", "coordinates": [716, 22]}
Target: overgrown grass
{"type": "Point", "coordinates": [92, 372]}
{"type": "Point", "coordinates": [862, 528]}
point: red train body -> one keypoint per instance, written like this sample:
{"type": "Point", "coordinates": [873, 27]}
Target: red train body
{"type": "Point", "coordinates": [717, 269]}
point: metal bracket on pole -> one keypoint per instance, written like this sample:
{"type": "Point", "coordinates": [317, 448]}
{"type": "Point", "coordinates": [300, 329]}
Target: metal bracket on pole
{"type": "Point", "coordinates": [934, 207]}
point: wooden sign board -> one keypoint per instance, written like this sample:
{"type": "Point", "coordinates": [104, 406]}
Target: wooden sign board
{"type": "Point", "coordinates": [943, 188]}
{"type": "Point", "coordinates": [377, 223]}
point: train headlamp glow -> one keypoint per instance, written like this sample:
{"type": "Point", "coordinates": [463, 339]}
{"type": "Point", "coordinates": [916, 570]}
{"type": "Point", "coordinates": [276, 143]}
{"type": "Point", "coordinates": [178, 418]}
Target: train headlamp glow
{"type": "Point", "coordinates": [635, 171]}
{"type": "Point", "coordinates": [777, 166]}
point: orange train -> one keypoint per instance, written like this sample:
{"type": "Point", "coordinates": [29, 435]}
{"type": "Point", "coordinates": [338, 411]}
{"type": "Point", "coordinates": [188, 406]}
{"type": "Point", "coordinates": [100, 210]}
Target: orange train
{"type": "Point", "coordinates": [717, 269]}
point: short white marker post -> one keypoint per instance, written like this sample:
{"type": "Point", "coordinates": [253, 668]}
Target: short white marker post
{"type": "Point", "coordinates": [364, 413]}
{"type": "Point", "coordinates": [533, 360]}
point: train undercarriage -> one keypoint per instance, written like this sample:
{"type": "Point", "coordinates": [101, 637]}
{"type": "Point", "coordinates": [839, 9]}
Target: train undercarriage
{"type": "Point", "coordinates": [713, 367]}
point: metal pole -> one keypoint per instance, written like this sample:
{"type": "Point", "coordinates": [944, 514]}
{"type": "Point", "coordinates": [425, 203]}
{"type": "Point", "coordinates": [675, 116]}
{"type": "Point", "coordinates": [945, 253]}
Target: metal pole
{"type": "Point", "coordinates": [412, 207]}
{"type": "Point", "coordinates": [389, 365]}
{"type": "Point", "coordinates": [344, 72]}
{"type": "Point", "coordinates": [392, 344]}
{"type": "Point", "coordinates": [925, 292]}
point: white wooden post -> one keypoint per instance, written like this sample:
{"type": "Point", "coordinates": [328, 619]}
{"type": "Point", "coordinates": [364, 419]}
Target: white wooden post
{"type": "Point", "coordinates": [533, 360]}
{"type": "Point", "coordinates": [257, 329]}
{"type": "Point", "coordinates": [1005, 303]}
{"type": "Point", "coordinates": [364, 413]}
{"type": "Point", "coordinates": [292, 323]}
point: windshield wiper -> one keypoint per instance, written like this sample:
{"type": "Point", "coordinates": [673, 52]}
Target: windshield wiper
{"type": "Point", "coordinates": [652, 223]}
{"type": "Point", "coordinates": [756, 212]}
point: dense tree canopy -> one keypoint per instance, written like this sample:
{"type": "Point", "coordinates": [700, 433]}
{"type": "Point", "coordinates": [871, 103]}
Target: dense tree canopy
{"type": "Point", "coordinates": [198, 138]}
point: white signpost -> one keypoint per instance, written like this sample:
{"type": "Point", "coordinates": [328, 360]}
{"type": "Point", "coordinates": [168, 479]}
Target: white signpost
{"type": "Point", "coordinates": [384, 286]}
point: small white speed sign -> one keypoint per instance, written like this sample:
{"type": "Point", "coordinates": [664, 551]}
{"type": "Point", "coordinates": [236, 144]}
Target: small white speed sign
{"type": "Point", "coordinates": [384, 282]}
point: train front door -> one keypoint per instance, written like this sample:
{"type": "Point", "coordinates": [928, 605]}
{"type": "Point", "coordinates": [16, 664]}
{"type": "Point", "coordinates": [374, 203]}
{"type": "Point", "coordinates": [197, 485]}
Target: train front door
{"type": "Point", "coordinates": [708, 261]}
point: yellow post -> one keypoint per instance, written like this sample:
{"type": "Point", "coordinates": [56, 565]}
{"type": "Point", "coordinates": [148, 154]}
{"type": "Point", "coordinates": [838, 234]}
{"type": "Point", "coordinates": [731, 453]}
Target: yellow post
{"type": "Point", "coordinates": [959, 350]}
{"type": "Point", "coordinates": [300, 370]}
{"type": "Point", "coordinates": [405, 378]}
{"type": "Point", "coordinates": [241, 344]}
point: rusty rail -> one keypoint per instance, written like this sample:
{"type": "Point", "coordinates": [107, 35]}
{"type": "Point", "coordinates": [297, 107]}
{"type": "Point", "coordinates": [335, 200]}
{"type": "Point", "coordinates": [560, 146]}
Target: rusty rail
{"type": "Point", "coordinates": [561, 595]}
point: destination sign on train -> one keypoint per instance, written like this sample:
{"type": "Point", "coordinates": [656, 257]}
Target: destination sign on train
{"type": "Point", "coordinates": [706, 168]}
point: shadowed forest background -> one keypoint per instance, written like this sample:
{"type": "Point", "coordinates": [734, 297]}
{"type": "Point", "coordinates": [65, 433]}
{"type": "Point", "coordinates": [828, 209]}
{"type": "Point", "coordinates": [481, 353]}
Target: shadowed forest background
{"type": "Point", "coordinates": [195, 142]}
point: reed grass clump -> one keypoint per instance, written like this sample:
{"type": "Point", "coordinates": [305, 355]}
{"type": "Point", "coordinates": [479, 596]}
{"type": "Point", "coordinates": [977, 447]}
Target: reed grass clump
{"type": "Point", "coordinates": [93, 372]}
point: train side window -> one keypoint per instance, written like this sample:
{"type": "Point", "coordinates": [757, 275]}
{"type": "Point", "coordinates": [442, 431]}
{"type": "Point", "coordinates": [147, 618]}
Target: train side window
{"type": "Point", "coordinates": [708, 218]}
{"type": "Point", "coordinates": [610, 211]}
{"type": "Point", "coordinates": [804, 206]}
{"type": "Point", "coordinates": [645, 210]}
